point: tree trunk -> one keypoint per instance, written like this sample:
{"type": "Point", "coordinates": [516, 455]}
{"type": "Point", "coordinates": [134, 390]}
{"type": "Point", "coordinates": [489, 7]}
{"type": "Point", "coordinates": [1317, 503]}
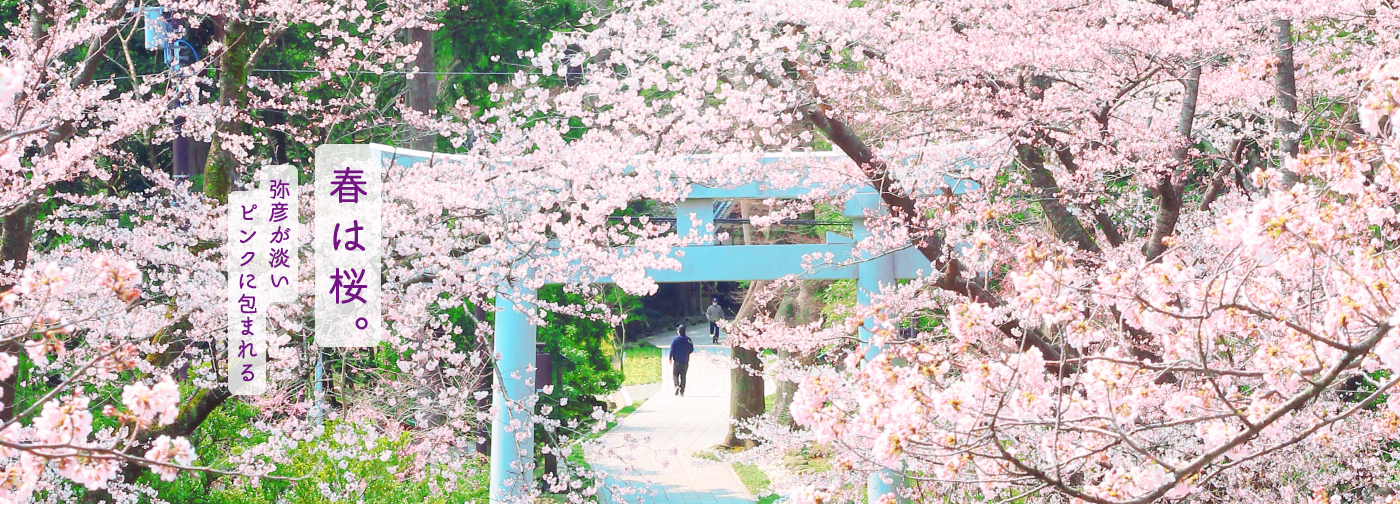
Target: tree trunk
{"type": "Point", "coordinates": [745, 392]}
{"type": "Point", "coordinates": [18, 228]}
{"type": "Point", "coordinates": [422, 87]}
{"type": "Point", "coordinates": [233, 91]}
{"type": "Point", "coordinates": [807, 311]}
{"type": "Point", "coordinates": [746, 381]}
{"type": "Point", "coordinates": [1286, 87]}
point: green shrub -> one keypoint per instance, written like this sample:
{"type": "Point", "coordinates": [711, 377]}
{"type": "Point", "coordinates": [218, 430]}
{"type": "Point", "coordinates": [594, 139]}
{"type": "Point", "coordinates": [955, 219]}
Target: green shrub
{"type": "Point", "coordinates": [384, 470]}
{"type": "Point", "coordinates": [579, 346]}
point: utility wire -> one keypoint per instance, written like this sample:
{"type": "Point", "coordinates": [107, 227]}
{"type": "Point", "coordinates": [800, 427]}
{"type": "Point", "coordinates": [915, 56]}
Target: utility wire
{"type": "Point", "coordinates": [311, 71]}
{"type": "Point", "coordinates": [728, 220]}
{"type": "Point", "coordinates": [394, 72]}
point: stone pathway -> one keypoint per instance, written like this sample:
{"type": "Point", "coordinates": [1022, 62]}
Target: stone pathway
{"type": "Point", "coordinates": [683, 424]}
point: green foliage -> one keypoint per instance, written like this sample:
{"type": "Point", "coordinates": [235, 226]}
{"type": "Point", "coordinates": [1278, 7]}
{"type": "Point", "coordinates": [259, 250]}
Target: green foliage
{"type": "Point", "coordinates": [582, 360]}
{"type": "Point", "coordinates": [9, 14]}
{"type": "Point", "coordinates": [1365, 388]}
{"type": "Point", "coordinates": [831, 213]}
{"type": "Point", "coordinates": [628, 305]}
{"type": "Point", "coordinates": [820, 142]}
{"type": "Point", "coordinates": [838, 301]}
{"type": "Point", "coordinates": [482, 42]}
{"type": "Point", "coordinates": [387, 471]}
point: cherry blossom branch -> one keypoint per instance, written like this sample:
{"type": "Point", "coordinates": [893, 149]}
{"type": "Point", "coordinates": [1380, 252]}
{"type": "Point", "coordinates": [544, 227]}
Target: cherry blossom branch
{"type": "Point", "coordinates": [27, 131]}
{"type": "Point", "coordinates": [1292, 405]}
{"type": "Point", "coordinates": [112, 454]}
{"type": "Point", "coordinates": [1306, 433]}
{"type": "Point", "coordinates": [57, 389]}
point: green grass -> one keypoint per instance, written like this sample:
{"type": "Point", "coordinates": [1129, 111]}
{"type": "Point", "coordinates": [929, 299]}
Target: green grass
{"type": "Point", "coordinates": [642, 364]}
{"type": "Point", "coordinates": [756, 481]}
{"type": "Point", "coordinates": [753, 478]}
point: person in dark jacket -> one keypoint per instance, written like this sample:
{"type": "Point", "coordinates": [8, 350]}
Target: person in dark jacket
{"type": "Point", "coordinates": [681, 347]}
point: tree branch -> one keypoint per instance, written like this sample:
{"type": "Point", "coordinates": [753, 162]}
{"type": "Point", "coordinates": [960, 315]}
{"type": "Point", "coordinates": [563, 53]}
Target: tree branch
{"type": "Point", "coordinates": [1169, 193]}
{"type": "Point", "coordinates": [1062, 222]}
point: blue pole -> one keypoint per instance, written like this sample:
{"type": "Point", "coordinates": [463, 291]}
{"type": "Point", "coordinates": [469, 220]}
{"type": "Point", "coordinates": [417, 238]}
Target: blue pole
{"type": "Point", "coordinates": [870, 274]}
{"type": "Point", "coordinates": [512, 432]}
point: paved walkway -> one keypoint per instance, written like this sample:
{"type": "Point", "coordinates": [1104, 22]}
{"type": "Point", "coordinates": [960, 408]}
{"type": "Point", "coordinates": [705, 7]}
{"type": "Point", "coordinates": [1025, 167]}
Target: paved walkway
{"type": "Point", "coordinates": [650, 472]}
{"type": "Point", "coordinates": [640, 392]}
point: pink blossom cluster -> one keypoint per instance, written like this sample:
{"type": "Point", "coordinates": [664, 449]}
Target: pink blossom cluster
{"type": "Point", "coordinates": [153, 403]}
{"type": "Point", "coordinates": [165, 449]}
{"type": "Point", "coordinates": [60, 442]}
{"type": "Point", "coordinates": [1238, 343]}
{"type": "Point", "coordinates": [1151, 296]}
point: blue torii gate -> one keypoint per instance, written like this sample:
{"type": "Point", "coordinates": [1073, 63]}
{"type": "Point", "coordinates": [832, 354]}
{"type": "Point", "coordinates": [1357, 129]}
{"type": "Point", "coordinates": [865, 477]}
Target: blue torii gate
{"type": "Point", "coordinates": [512, 454]}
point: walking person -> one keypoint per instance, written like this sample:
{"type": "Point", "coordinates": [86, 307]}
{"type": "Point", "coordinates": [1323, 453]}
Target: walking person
{"type": "Point", "coordinates": [715, 313]}
{"type": "Point", "coordinates": [681, 347]}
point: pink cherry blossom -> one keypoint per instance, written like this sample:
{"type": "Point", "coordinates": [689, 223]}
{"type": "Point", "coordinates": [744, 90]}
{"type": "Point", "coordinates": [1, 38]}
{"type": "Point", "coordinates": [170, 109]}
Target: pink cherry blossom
{"type": "Point", "coordinates": [64, 422]}
{"type": "Point", "coordinates": [8, 364]}
{"type": "Point", "coordinates": [159, 402]}
{"type": "Point", "coordinates": [164, 449]}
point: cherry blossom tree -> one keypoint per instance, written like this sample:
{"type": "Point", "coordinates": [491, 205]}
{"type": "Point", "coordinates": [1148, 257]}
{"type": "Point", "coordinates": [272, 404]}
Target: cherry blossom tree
{"type": "Point", "coordinates": [117, 345]}
{"type": "Point", "coordinates": [98, 359]}
{"type": "Point", "coordinates": [1174, 281]}
{"type": "Point", "coordinates": [61, 440]}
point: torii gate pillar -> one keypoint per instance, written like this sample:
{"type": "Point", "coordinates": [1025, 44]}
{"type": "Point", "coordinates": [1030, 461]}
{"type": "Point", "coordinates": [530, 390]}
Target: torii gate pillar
{"type": "Point", "coordinates": [871, 274]}
{"type": "Point", "coordinates": [512, 430]}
